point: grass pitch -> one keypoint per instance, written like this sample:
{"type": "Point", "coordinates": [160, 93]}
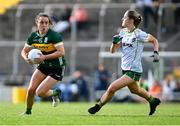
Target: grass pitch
{"type": "Point", "coordinates": [76, 114]}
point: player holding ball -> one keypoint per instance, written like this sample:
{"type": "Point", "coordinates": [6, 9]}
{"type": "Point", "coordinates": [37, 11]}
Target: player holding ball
{"type": "Point", "coordinates": [51, 63]}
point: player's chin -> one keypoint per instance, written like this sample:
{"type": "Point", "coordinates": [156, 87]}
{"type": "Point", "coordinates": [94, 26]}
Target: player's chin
{"type": "Point", "coordinates": [44, 29]}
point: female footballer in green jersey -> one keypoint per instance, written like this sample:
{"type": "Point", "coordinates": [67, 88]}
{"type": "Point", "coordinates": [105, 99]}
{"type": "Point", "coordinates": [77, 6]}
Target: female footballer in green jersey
{"type": "Point", "coordinates": [51, 63]}
{"type": "Point", "coordinates": [130, 42]}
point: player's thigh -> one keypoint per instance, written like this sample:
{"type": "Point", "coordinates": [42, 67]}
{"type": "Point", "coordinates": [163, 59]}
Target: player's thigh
{"type": "Point", "coordinates": [120, 83]}
{"type": "Point", "coordinates": [36, 79]}
{"type": "Point", "coordinates": [46, 84]}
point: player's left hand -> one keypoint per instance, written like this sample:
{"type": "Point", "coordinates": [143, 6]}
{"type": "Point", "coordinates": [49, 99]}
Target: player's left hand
{"type": "Point", "coordinates": [156, 56]}
{"type": "Point", "coordinates": [115, 39]}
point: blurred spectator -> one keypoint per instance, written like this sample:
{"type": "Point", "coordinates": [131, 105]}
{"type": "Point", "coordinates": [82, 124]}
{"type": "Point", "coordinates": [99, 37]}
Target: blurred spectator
{"type": "Point", "coordinates": [101, 78]}
{"type": "Point", "coordinates": [177, 86]}
{"type": "Point", "coordinates": [53, 16]}
{"type": "Point", "coordinates": [79, 16]}
{"type": "Point", "coordinates": [156, 89]}
{"type": "Point", "coordinates": [156, 4]}
{"type": "Point", "coordinates": [69, 92]}
{"type": "Point", "coordinates": [147, 8]}
{"type": "Point", "coordinates": [78, 79]}
{"type": "Point", "coordinates": [167, 91]}
{"type": "Point", "coordinates": [144, 84]}
{"type": "Point", "coordinates": [176, 14]}
{"type": "Point", "coordinates": [63, 24]}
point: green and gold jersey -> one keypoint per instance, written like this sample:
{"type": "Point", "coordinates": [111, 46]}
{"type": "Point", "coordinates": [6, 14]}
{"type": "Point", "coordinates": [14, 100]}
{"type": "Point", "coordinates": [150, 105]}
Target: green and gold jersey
{"type": "Point", "coordinates": [47, 44]}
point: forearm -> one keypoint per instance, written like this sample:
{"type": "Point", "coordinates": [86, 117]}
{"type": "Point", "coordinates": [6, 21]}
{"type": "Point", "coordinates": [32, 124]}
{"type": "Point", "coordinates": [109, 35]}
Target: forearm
{"type": "Point", "coordinates": [24, 54]}
{"type": "Point", "coordinates": [54, 55]}
{"type": "Point", "coordinates": [116, 42]}
{"type": "Point", "coordinates": [114, 47]}
{"type": "Point", "coordinates": [156, 45]}
{"type": "Point", "coordinates": [154, 41]}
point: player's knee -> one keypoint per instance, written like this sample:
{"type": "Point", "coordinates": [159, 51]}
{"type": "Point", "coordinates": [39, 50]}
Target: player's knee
{"type": "Point", "coordinates": [135, 91]}
{"type": "Point", "coordinates": [31, 91]}
{"type": "Point", "coordinates": [111, 90]}
{"type": "Point", "coordinates": [40, 93]}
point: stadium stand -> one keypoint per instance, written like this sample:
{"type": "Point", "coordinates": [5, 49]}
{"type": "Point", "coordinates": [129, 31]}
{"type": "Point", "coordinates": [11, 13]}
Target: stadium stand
{"type": "Point", "coordinates": [90, 32]}
{"type": "Point", "coordinates": [5, 4]}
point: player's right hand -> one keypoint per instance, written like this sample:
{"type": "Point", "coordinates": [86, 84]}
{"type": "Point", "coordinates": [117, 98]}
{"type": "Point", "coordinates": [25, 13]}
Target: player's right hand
{"type": "Point", "coordinates": [115, 39]}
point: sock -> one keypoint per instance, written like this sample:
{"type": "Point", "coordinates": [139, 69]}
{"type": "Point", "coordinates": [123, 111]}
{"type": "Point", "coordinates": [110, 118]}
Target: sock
{"type": "Point", "coordinates": [28, 110]}
{"type": "Point", "coordinates": [54, 92]}
{"type": "Point", "coordinates": [100, 103]}
{"type": "Point", "coordinates": [150, 99]}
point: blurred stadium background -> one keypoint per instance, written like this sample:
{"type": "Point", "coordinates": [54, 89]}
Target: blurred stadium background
{"type": "Point", "coordinates": [88, 46]}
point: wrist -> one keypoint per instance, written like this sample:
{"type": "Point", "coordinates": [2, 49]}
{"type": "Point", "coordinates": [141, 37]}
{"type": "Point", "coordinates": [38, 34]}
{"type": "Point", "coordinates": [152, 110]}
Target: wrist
{"type": "Point", "coordinates": [45, 57]}
{"type": "Point", "coordinates": [155, 51]}
{"type": "Point", "coordinates": [115, 39]}
{"type": "Point", "coordinates": [114, 42]}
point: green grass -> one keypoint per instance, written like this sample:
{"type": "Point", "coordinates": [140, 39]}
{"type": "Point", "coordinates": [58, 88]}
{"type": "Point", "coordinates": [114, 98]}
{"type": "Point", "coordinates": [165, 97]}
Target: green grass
{"type": "Point", "coordinates": [76, 114]}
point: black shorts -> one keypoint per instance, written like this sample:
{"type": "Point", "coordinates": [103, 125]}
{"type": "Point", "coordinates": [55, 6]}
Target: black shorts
{"type": "Point", "coordinates": [56, 73]}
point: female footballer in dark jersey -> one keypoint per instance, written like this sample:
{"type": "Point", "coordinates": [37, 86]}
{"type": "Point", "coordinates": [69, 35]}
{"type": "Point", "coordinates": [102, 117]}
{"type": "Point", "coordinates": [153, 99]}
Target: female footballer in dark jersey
{"type": "Point", "coordinates": [51, 63]}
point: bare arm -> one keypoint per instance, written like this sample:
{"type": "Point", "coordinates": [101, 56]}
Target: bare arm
{"type": "Point", "coordinates": [25, 51]}
{"type": "Point", "coordinates": [24, 54]}
{"type": "Point", "coordinates": [154, 41]}
{"type": "Point", "coordinates": [114, 47]}
{"type": "Point", "coordinates": [60, 51]}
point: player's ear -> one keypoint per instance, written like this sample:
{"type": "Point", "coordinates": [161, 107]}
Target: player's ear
{"type": "Point", "coordinates": [36, 22]}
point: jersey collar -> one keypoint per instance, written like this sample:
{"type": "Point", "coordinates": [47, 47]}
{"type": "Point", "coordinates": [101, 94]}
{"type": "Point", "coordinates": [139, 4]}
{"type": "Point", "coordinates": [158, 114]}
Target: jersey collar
{"type": "Point", "coordinates": [43, 34]}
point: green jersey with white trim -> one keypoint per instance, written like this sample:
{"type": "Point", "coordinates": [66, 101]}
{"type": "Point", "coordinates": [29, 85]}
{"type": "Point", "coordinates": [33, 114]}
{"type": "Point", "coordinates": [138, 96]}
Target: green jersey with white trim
{"type": "Point", "coordinates": [47, 44]}
{"type": "Point", "coordinates": [132, 45]}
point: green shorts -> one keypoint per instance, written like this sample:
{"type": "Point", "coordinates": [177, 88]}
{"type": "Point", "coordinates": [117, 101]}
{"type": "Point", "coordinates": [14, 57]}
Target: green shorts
{"type": "Point", "coordinates": [134, 75]}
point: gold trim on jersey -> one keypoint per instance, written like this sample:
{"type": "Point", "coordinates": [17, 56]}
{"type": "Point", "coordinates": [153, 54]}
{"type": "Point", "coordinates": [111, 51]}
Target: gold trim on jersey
{"type": "Point", "coordinates": [45, 47]}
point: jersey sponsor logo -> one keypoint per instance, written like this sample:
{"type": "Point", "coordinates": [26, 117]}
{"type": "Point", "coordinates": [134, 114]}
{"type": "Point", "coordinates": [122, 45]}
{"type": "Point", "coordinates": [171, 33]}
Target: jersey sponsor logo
{"type": "Point", "coordinates": [44, 47]}
{"type": "Point", "coordinates": [127, 44]}
{"type": "Point", "coordinates": [35, 40]}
